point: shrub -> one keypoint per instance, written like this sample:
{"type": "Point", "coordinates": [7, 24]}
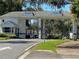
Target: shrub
{"type": "Point", "coordinates": [3, 35]}
{"type": "Point", "coordinates": [7, 35]}
{"type": "Point", "coordinates": [3, 38]}
{"type": "Point", "coordinates": [54, 36]}
{"type": "Point", "coordinates": [11, 35]}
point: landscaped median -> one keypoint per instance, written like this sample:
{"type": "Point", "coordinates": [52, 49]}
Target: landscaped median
{"type": "Point", "coordinates": [49, 45]}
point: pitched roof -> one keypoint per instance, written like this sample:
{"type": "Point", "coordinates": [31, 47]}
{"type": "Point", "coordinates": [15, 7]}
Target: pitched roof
{"type": "Point", "coordinates": [37, 14]}
{"type": "Point", "coordinates": [8, 24]}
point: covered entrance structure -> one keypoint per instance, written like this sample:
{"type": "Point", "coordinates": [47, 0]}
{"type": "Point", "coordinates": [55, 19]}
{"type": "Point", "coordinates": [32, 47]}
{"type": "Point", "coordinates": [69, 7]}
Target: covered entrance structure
{"type": "Point", "coordinates": [21, 18]}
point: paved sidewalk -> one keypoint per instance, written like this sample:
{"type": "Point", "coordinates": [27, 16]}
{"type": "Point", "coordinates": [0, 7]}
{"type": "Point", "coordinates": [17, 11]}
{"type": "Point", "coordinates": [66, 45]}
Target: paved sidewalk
{"type": "Point", "coordinates": [69, 50]}
{"type": "Point", "coordinates": [43, 55]}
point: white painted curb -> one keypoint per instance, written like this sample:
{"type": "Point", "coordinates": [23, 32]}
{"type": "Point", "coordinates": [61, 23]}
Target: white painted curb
{"type": "Point", "coordinates": [27, 52]}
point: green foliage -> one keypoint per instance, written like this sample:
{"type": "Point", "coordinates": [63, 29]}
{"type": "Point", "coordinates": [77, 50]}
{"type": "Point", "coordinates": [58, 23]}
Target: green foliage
{"type": "Point", "coordinates": [3, 38]}
{"type": "Point", "coordinates": [7, 35]}
{"type": "Point", "coordinates": [11, 35]}
{"type": "Point", "coordinates": [75, 8]}
{"type": "Point", "coordinates": [3, 35]}
{"type": "Point", "coordinates": [34, 27]}
{"type": "Point", "coordinates": [58, 28]}
{"type": "Point", "coordinates": [10, 5]}
{"type": "Point", "coordinates": [3, 8]}
{"type": "Point", "coordinates": [58, 3]}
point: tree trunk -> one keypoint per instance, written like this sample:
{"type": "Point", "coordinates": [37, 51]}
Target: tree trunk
{"type": "Point", "coordinates": [74, 30]}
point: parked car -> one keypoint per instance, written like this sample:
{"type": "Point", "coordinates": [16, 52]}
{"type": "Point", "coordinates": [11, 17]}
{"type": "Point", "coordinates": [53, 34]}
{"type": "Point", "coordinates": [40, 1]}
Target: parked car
{"type": "Point", "coordinates": [35, 36]}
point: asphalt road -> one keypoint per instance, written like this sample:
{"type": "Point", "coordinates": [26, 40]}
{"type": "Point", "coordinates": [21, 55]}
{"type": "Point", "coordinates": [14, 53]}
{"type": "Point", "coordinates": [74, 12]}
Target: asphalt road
{"type": "Point", "coordinates": [13, 49]}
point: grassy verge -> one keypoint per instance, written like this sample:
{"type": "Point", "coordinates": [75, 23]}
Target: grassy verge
{"type": "Point", "coordinates": [49, 45]}
{"type": "Point", "coordinates": [3, 38]}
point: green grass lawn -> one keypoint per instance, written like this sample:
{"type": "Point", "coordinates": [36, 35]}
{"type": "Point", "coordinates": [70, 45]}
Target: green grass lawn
{"type": "Point", "coordinates": [49, 45]}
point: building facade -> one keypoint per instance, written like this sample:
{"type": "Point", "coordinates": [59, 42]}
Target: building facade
{"type": "Point", "coordinates": [15, 22]}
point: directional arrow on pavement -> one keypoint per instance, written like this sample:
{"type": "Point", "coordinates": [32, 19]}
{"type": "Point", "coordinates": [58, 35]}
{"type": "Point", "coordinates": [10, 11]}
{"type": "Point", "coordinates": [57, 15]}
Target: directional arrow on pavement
{"type": "Point", "coordinates": [4, 48]}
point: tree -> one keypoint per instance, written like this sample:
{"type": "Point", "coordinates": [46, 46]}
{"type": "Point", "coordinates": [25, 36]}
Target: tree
{"type": "Point", "coordinates": [58, 28]}
{"type": "Point", "coordinates": [10, 5]}
{"type": "Point", "coordinates": [74, 12]}
{"type": "Point", "coordinates": [75, 15]}
{"type": "Point", "coordinates": [3, 8]}
{"type": "Point", "coordinates": [56, 3]}
{"type": "Point", "coordinates": [34, 5]}
{"type": "Point", "coordinates": [30, 9]}
{"type": "Point", "coordinates": [14, 5]}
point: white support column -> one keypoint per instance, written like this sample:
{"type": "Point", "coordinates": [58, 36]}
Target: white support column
{"type": "Point", "coordinates": [13, 30]}
{"type": "Point", "coordinates": [74, 29]}
{"type": "Point", "coordinates": [39, 28]}
{"type": "Point", "coordinates": [1, 31]}
{"type": "Point", "coordinates": [44, 29]}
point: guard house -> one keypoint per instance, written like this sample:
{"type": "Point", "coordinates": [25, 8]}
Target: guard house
{"type": "Point", "coordinates": [15, 22]}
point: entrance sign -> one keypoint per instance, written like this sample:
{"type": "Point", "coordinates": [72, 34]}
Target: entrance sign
{"type": "Point", "coordinates": [28, 14]}
{"type": "Point", "coordinates": [56, 13]}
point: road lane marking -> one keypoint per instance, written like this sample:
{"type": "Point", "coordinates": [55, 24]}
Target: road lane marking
{"type": "Point", "coordinates": [4, 48]}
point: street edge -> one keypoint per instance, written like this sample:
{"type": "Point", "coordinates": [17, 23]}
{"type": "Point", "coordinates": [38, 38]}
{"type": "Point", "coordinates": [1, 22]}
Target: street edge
{"type": "Point", "coordinates": [26, 51]}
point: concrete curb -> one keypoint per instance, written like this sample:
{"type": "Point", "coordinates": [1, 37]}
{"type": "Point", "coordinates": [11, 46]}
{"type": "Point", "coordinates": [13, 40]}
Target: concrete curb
{"type": "Point", "coordinates": [19, 40]}
{"type": "Point", "coordinates": [12, 40]}
{"type": "Point", "coordinates": [26, 52]}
